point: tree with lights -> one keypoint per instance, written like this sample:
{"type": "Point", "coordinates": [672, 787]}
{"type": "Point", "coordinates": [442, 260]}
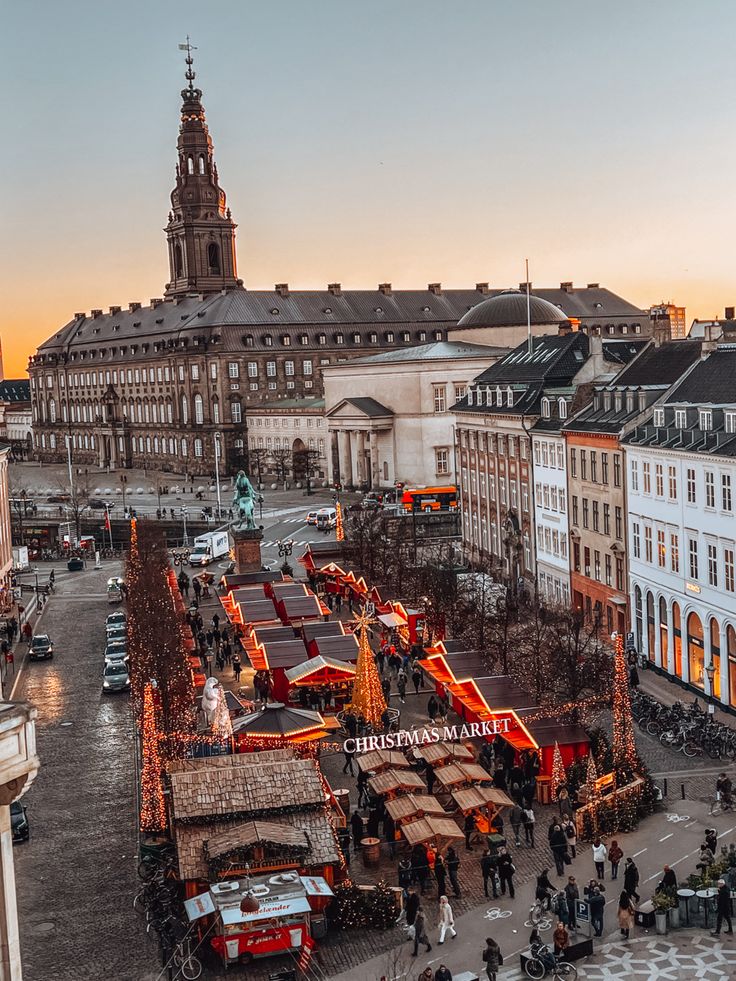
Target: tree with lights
{"type": "Point", "coordinates": [153, 809]}
{"type": "Point", "coordinates": [625, 757]}
{"type": "Point", "coordinates": [558, 772]}
{"type": "Point", "coordinates": [339, 528]}
{"type": "Point", "coordinates": [222, 726]}
{"type": "Point", "coordinates": [368, 699]}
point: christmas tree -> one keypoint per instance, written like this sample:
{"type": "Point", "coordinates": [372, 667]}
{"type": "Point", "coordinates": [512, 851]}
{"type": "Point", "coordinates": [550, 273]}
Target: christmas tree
{"type": "Point", "coordinates": [625, 759]}
{"type": "Point", "coordinates": [222, 727]}
{"type": "Point", "coordinates": [368, 699]}
{"type": "Point", "coordinates": [153, 810]}
{"type": "Point", "coordinates": [339, 528]}
{"type": "Point", "coordinates": [558, 773]}
{"type": "Point", "coordinates": [592, 795]}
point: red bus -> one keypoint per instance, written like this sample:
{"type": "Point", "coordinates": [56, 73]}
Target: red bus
{"type": "Point", "coordinates": [429, 499]}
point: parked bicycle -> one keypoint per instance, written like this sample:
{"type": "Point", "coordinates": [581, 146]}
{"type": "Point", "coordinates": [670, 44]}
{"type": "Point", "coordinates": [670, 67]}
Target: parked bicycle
{"type": "Point", "coordinates": [543, 962]}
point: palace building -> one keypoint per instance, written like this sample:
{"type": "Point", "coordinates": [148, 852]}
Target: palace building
{"type": "Point", "coordinates": [158, 385]}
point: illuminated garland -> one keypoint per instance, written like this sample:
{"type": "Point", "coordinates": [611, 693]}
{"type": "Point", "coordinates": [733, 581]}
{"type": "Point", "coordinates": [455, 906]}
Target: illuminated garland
{"type": "Point", "coordinates": [153, 809]}
{"type": "Point", "coordinates": [368, 700]}
{"type": "Point", "coordinates": [558, 772]}
{"type": "Point", "coordinates": [339, 528]}
{"type": "Point", "coordinates": [625, 757]}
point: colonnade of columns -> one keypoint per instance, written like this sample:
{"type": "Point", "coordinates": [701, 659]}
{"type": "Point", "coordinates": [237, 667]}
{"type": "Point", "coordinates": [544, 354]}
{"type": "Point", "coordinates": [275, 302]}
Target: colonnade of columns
{"type": "Point", "coordinates": [357, 457]}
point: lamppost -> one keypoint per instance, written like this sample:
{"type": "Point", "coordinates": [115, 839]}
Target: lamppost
{"type": "Point", "coordinates": [123, 484]}
{"type": "Point", "coordinates": [185, 540]}
{"type": "Point", "coordinates": [285, 548]}
{"type": "Point", "coordinates": [711, 673]}
{"type": "Point", "coordinates": [216, 437]}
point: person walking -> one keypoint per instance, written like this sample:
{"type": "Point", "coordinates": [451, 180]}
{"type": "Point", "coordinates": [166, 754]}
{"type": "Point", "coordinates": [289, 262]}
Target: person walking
{"type": "Point", "coordinates": [516, 819]}
{"type": "Point", "coordinates": [599, 857]}
{"type": "Point", "coordinates": [560, 938]}
{"type": "Point", "coordinates": [597, 904]}
{"type": "Point", "coordinates": [412, 905]}
{"type": "Point", "coordinates": [544, 889]}
{"type": "Point", "coordinates": [453, 864]}
{"type": "Point", "coordinates": [416, 678]}
{"type": "Point", "coordinates": [492, 958]}
{"type": "Point", "coordinates": [529, 822]}
{"type": "Point", "coordinates": [558, 844]}
{"type": "Point", "coordinates": [626, 914]}
{"type": "Point", "coordinates": [432, 707]}
{"type": "Point", "coordinates": [443, 973]}
{"type": "Point", "coordinates": [446, 919]}
{"type": "Point", "coordinates": [349, 757]}
{"type": "Point", "coordinates": [429, 776]}
{"type": "Point", "coordinates": [420, 931]}
{"type": "Point", "coordinates": [404, 875]}
{"type": "Point", "coordinates": [631, 878]}
{"type": "Point", "coordinates": [401, 685]}
{"type": "Point", "coordinates": [469, 828]}
{"type": "Point", "coordinates": [506, 871]}
{"type": "Point", "coordinates": [723, 908]}
{"type": "Point", "coordinates": [489, 871]}
{"type": "Point", "coordinates": [356, 826]}
{"type": "Point", "coordinates": [386, 689]}
{"type": "Point", "coordinates": [237, 666]}
{"type": "Point", "coordinates": [362, 783]}
{"type": "Point", "coordinates": [572, 894]}
{"type": "Point", "coordinates": [440, 874]}
{"type": "Point", "coordinates": [568, 826]}
{"type": "Point", "coordinates": [615, 854]}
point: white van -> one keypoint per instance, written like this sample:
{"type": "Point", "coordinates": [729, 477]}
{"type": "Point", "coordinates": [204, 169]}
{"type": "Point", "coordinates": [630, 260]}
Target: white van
{"type": "Point", "coordinates": [326, 519]}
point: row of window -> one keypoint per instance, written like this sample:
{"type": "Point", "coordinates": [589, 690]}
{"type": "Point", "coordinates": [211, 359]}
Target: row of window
{"type": "Point", "coordinates": [551, 497]}
{"type": "Point", "coordinates": [553, 589]}
{"type": "Point", "coordinates": [657, 487]}
{"type": "Point", "coordinates": [667, 545]}
{"type": "Point", "coordinates": [589, 466]}
{"type": "Point", "coordinates": [549, 453]}
{"type": "Point", "coordinates": [340, 338]}
{"type": "Point", "coordinates": [552, 541]}
{"type": "Point", "coordinates": [705, 419]}
{"type": "Point", "coordinates": [439, 394]}
{"type": "Point", "coordinates": [286, 421]}
{"type": "Point", "coordinates": [491, 542]}
{"type": "Point", "coordinates": [276, 443]}
{"type": "Point", "coordinates": [492, 443]}
{"type": "Point", "coordinates": [592, 568]}
{"type": "Point", "coordinates": [233, 369]}
{"type": "Point", "coordinates": [508, 492]}
{"type": "Point", "coordinates": [597, 516]}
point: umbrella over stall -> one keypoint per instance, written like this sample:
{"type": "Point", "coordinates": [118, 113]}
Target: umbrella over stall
{"type": "Point", "coordinates": [278, 722]}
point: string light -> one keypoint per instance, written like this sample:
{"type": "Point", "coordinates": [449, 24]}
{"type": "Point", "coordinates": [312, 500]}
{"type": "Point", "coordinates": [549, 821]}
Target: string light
{"type": "Point", "coordinates": [153, 809]}
{"type": "Point", "coordinates": [368, 700]}
{"type": "Point", "coordinates": [625, 757]}
{"type": "Point", "coordinates": [558, 772]}
{"type": "Point", "coordinates": [339, 528]}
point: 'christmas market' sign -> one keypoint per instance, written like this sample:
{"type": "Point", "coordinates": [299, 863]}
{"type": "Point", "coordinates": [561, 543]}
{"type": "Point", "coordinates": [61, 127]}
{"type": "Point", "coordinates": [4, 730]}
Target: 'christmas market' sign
{"type": "Point", "coordinates": [432, 734]}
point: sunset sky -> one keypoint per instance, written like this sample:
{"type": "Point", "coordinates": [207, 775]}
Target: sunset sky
{"type": "Point", "coordinates": [402, 141]}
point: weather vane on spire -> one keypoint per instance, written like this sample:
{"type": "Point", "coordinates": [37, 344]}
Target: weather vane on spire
{"type": "Point", "coordinates": [190, 73]}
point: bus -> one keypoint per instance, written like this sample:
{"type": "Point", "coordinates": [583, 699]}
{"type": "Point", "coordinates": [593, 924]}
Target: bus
{"type": "Point", "coordinates": [429, 499]}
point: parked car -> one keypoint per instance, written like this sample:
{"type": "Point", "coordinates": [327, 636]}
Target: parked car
{"type": "Point", "coordinates": [116, 652]}
{"type": "Point", "coordinates": [311, 518]}
{"type": "Point", "coordinates": [19, 822]}
{"type": "Point", "coordinates": [116, 635]}
{"type": "Point", "coordinates": [58, 498]}
{"type": "Point", "coordinates": [41, 648]}
{"type": "Point", "coordinates": [115, 677]}
{"type": "Point", "coordinates": [96, 504]}
{"type": "Point", "coordinates": [118, 617]}
{"type": "Point", "coordinates": [75, 564]}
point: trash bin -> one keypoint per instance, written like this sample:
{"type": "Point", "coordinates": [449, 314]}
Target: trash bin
{"type": "Point", "coordinates": [644, 915]}
{"type": "Point", "coordinates": [342, 796]}
{"type": "Point", "coordinates": [371, 851]}
{"type": "Point", "coordinates": [544, 794]}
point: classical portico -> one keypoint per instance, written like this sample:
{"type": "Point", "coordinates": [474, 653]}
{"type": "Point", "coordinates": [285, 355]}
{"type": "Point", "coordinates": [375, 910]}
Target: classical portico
{"type": "Point", "coordinates": [361, 437]}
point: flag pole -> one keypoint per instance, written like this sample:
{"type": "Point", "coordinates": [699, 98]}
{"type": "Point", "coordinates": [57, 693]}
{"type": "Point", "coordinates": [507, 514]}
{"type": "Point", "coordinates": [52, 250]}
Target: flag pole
{"type": "Point", "coordinates": [528, 312]}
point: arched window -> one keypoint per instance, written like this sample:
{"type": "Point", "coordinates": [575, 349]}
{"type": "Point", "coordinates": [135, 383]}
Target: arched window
{"type": "Point", "coordinates": [509, 397]}
{"type": "Point", "coordinates": [638, 613]}
{"type": "Point", "coordinates": [677, 634]}
{"type": "Point", "coordinates": [155, 444]}
{"type": "Point", "coordinates": [202, 164]}
{"type": "Point", "coordinates": [545, 408]}
{"type": "Point", "coordinates": [42, 409]}
{"type": "Point", "coordinates": [198, 410]}
{"type": "Point", "coordinates": [215, 411]}
{"type": "Point", "coordinates": [198, 447]}
{"type": "Point", "coordinates": [715, 656]}
{"type": "Point", "coordinates": [183, 447]}
{"type": "Point", "coordinates": [146, 411]}
{"type": "Point", "coordinates": [562, 408]}
{"type": "Point", "coordinates": [213, 258]}
{"type": "Point", "coordinates": [663, 630]}
{"type": "Point", "coordinates": [154, 411]}
{"type": "Point", "coordinates": [731, 649]}
{"type": "Point", "coordinates": [178, 261]}
{"type": "Point", "coordinates": [169, 411]}
{"type": "Point", "coordinates": [695, 650]}
{"type": "Point", "coordinates": [650, 626]}
{"type": "Point", "coordinates": [52, 410]}
{"type": "Point", "coordinates": [63, 412]}
{"type": "Point", "coordinates": [190, 165]}
{"type": "Point", "coordinates": [148, 444]}
{"type": "Point", "coordinates": [184, 410]}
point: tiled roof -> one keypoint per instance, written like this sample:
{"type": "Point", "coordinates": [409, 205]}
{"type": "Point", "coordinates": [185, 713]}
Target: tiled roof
{"type": "Point", "coordinates": [553, 359]}
{"type": "Point", "coordinates": [660, 365]}
{"type": "Point", "coordinates": [438, 351]}
{"type": "Point", "coordinates": [711, 381]}
{"type": "Point", "coordinates": [15, 390]}
{"type": "Point", "coordinates": [370, 407]}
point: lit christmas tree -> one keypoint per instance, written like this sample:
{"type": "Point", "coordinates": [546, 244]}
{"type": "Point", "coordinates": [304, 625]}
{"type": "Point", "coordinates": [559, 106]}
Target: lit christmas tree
{"type": "Point", "coordinates": [558, 773]}
{"type": "Point", "coordinates": [339, 528]}
{"type": "Point", "coordinates": [222, 726]}
{"type": "Point", "coordinates": [368, 699]}
{"type": "Point", "coordinates": [153, 810]}
{"type": "Point", "coordinates": [625, 758]}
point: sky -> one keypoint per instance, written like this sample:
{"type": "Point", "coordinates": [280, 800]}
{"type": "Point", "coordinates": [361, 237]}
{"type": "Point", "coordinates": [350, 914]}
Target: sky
{"type": "Point", "coordinates": [402, 141]}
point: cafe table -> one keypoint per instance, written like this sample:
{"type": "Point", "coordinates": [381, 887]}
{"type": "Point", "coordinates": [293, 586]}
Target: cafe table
{"type": "Point", "coordinates": [685, 895]}
{"type": "Point", "coordinates": [705, 896]}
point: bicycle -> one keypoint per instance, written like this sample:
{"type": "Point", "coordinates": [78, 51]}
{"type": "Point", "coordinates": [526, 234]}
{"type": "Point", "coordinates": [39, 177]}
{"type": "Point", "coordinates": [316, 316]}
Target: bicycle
{"type": "Point", "coordinates": [190, 967]}
{"type": "Point", "coordinates": [719, 806]}
{"type": "Point", "coordinates": [538, 965]}
{"type": "Point", "coordinates": [538, 917]}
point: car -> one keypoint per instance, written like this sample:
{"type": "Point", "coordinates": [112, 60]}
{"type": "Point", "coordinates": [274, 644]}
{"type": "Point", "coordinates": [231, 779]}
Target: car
{"type": "Point", "coordinates": [19, 822]}
{"type": "Point", "coordinates": [59, 498]}
{"type": "Point", "coordinates": [96, 504]}
{"type": "Point", "coordinates": [115, 677]}
{"type": "Point", "coordinates": [117, 651]}
{"type": "Point", "coordinates": [116, 630]}
{"type": "Point", "coordinates": [311, 518]}
{"type": "Point", "coordinates": [118, 617]}
{"type": "Point", "coordinates": [41, 648]}
{"type": "Point", "coordinates": [75, 565]}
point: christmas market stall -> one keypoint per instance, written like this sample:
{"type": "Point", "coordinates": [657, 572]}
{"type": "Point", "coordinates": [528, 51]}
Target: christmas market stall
{"type": "Point", "coordinates": [378, 760]}
{"type": "Point", "coordinates": [389, 783]}
{"type": "Point", "coordinates": [441, 831]}
{"type": "Point", "coordinates": [483, 802]}
{"type": "Point", "coordinates": [339, 647]}
{"type": "Point", "coordinates": [409, 807]}
{"type": "Point", "coordinates": [277, 724]}
{"type": "Point", "coordinates": [332, 679]}
{"type": "Point", "coordinates": [312, 630]}
{"type": "Point", "coordinates": [276, 657]}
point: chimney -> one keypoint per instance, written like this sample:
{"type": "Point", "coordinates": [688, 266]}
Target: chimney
{"type": "Point", "coordinates": [435, 288]}
{"type": "Point", "coordinates": [335, 289]}
{"type": "Point", "coordinates": [95, 314]}
{"type": "Point", "coordinates": [132, 307]}
{"type": "Point", "coordinates": [564, 328]}
{"type": "Point", "coordinates": [567, 287]}
{"type": "Point", "coordinates": [156, 302]}
{"type": "Point", "coordinates": [385, 288]}
{"type": "Point", "coordinates": [282, 289]}
{"type": "Point", "coordinates": [114, 310]}
{"type": "Point", "coordinates": [661, 326]}
{"type": "Point", "coordinates": [80, 316]}
{"type": "Point", "coordinates": [523, 286]}
{"type": "Point", "coordinates": [482, 287]}
{"type": "Point", "coordinates": [594, 286]}
{"type": "Point", "coordinates": [729, 313]}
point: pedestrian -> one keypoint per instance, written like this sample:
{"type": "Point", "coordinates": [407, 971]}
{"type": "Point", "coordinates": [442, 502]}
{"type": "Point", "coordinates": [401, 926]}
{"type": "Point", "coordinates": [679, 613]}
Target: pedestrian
{"type": "Point", "coordinates": [338, 603]}
{"type": "Point", "coordinates": [356, 826]}
{"type": "Point", "coordinates": [446, 919]}
{"type": "Point", "coordinates": [615, 854]}
{"type": "Point", "coordinates": [380, 661]}
{"type": "Point", "coordinates": [429, 776]}
{"type": "Point", "coordinates": [416, 678]}
{"type": "Point", "coordinates": [469, 828]}
{"type": "Point", "coordinates": [631, 878]}
{"type": "Point", "coordinates": [489, 871]}
{"type": "Point", "coordinates": [362, 784]}
{"type": "Point", "coordinates": [723, 908]}
{"type": "Point", "coordinates": [563, 799]}
{"type": "Point", "coordinates": [237, 666]}
{"type": "Point", "coordinates": [706, 858]}
{"type": "Point", "coordinates": [401, 685]}
{"type": "Point", "coordinates": [597, 904]}
{"type": "Point", "coordinates": [453, 864]}
{"type": "Point", "coordinates": [420, 931]}
{"type": "Point", "coordinates": [527, 794]}
{"type": "Point", "coordinates": [516, 819]}
{"type": "Point", "coordinates": [349, 757]}
{"type": "Point", "coordinates": [711, 839]}
{"type": "Point", "coordinates": [443, 973]}
{"type": "Point", "coordinates": [432, 707]}
{"type": "Point", "coordinates": [492, 958]}
{"type": "Point", "coordinates": [529, 822]}
{"type": "Point", "coordinates": [599, 857]}
{"type": "Point", "coordinates": [558, 844]}
{"type": "Point", "coordinates": [412, 905]}
{"type": "Point", "coordinates": [506, 871]}
{"type": "Point", "coordinates": [634, 676]}
{"type": "Point", "coordinates": [668, 883]}
{"type": "Point", "coordinates": [572, 894]}
{"type": "Point", "coordinates": [426, 974]}
{"type": "Point", "coordinates": [568, 826]}
{"type": "Point", "coordinates": [440, 874]}
{"type": "Point", "coordinates": [197, 585]}
{"type": "Point", "coordinates": [544, 889]}
{"type": "Point", "coordinates": [626, 914]}
{"type": "Point", "coordinates": [560, 938]}
{"type": "Point", "coordinates": [386, 689]}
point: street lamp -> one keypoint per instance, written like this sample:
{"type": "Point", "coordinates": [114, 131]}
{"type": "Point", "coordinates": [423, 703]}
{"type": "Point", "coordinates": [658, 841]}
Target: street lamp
{"type": "Point", "coordinates": [185, 540]}
{"type": "Point", "coordinates": [711, 673]}
{"type": "Point", "coordinates": [216, 437]}
{"type": "Point", "coordinates": [123, 484]}
{"type": "Point", "coordinates": [285, 548]}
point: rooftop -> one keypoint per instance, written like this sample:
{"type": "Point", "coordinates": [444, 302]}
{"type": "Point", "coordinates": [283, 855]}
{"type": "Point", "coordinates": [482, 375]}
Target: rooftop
{"type": "Point", "coordinates": [438, 351]}
{"type": "Point", "coordinates": [15, 390]}
{"type": "Point", "coordinates": [512, 308]}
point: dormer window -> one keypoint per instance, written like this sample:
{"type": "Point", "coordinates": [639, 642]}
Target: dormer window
{"type": "Point", "coordinates": [321, 339]}
{"type": "Point", "coordinates": [286, 340]}
{"type": "Point", "coordinates": [618, 401]}
{"type": "Point", "coordinates": [303, 340]}
{"type": "Point", "coordinates": [339, 338]}
{"type": "Point", "coordinates": [373, 337]}
{"type": "Point", "coordinates": [606, 401]}
{"type": "Point", "coordinates": [470, 397]}
{"type": "Point", "coordinates": [248, 340]}
{"type": "Point", "coordinates": [268, 340]}
{"type": "Point", "coordinates": [546, 407]}
{"type": "Point", "coordinates": [357, 338]}
{"type": "Point", "coordinates": [390, 337]}
{"type": "Point", "coordinates": [499, 395]}
{"type": "Point", "coordinates": [509, 397]}
{"type": "Point", "coordinates": [729, 420]}
{"type": "Point", "coordinates": [680, 418]}
{"type": "Point", "coordinates": [706, 419]}
{"type": "Point", "coordinates": [629, 401]}
{"type": "Point", "coordinates": [659, 418]}
{"type": "Point", "coordinates": [562, 407]}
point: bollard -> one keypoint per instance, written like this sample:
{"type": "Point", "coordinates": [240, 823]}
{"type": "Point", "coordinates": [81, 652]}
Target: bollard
{"type": "Point", "coordinates": [665, 787]}
{"type": "Point", "coordinates": [682, 790]}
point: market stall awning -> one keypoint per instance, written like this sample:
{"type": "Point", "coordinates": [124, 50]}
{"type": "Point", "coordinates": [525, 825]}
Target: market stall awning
{"type": "Point", "coordinates": [382, 759]}
{"type": "Point", "coordinates": [472, 798]}
{"type": "Point", "coordinates": [410, 806]}
{"type": "Point", "coordinates": [392, 620]}
{"type": "Point", "coordinates": [255, 833]}
{"type": "Point", "coordinates": [343, 647]}
{"type": "Point", "coordinates": [455, 774]}
{"type": "Point", "coordinates": [429, 828]}
{"type": "Point", "coordinates": [320, 670]}
{"type": "Point", "coordinates": [437, 753]}
{"type": "Point", "coordinates": [391, 781]}
{"type": "Point", "coordinates": [279, 721]}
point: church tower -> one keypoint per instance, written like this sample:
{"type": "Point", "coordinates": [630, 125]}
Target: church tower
{"type": "Point", "coordinates": [200, 232]}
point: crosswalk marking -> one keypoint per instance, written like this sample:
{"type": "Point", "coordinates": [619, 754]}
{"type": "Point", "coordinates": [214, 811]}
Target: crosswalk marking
{"type": "Point", "coordinates": [272, 544]}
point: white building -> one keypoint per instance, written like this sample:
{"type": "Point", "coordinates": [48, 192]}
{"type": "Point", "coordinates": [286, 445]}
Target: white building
{"type": "Point", "coordinates": [292, 425]}
{"type": "Point", "coordinates": [550, 503]}
{"type": "Point", "coordinates": [388, 414]}
{"type": "Point", "coordinates": [681, 485]}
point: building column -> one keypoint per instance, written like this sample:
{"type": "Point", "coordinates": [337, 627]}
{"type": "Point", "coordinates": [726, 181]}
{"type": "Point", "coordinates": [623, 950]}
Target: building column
{"type": "Point", "coordinates": [354, 464]}
{"type": "Point", "coordinates": [725, 687]}
{"type": "Point", "coordinates": [670, 641]}
{"type": "Point", "coordinates": [657, 636]}
{"type": "Point", "coordinates": [362, 470]}
{"type": "Point", "coordinates": [375, 464]}
{"type": "Point", "coordinates": [343, 456]}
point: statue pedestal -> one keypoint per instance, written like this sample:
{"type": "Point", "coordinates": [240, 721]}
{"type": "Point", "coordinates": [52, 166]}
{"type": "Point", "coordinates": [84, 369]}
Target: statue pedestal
{"type": "Point", "coordinates": [247, 549]}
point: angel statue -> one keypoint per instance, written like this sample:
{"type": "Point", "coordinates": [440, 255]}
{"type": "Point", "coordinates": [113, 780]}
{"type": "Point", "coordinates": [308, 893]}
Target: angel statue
{"type": "Point", "coordinates": [244, 500]}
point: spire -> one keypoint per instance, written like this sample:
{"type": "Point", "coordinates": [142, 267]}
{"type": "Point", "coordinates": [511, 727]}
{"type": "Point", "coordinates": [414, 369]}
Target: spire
{"type": "Point", "coordinates": [200, 232]}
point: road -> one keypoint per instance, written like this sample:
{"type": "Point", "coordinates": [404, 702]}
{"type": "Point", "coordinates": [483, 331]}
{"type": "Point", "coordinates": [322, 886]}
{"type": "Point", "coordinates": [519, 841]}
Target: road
{"type": "Point", "coordinates": [76, 876]}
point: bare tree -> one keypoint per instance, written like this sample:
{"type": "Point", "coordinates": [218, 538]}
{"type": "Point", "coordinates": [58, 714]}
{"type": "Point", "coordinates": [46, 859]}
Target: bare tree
{"type": "Point", "coordinates": [257, 459]}
{"type": "Point", "coordinates": [79, 495]}
{"type": "Point", "coordinates": [21, 507]}
{"type": "Point", "coordinates": [306, 463]}
{"type": "Point", "coordinates": [282, 461]}
{"type": "Point", "coordinates": [580, 659]}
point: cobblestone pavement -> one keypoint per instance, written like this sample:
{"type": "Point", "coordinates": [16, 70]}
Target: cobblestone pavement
{"type": "Point", "coordinates": [76, 875]}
